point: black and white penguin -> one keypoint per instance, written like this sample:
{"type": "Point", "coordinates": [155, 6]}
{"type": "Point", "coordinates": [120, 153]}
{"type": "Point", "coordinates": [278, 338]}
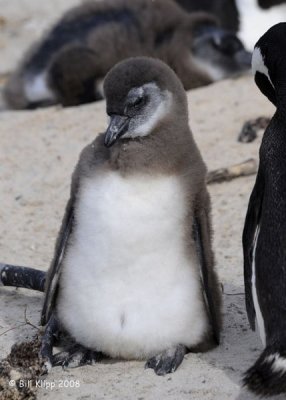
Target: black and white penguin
{"type": "Point", "coordinates": [265, 225]}
{"type": "Point", "coordinates": [69, 63]}
{"type": "Point", "coordinates": [133, 272]}
{"type": "Point", "coordinates": [248, 18]}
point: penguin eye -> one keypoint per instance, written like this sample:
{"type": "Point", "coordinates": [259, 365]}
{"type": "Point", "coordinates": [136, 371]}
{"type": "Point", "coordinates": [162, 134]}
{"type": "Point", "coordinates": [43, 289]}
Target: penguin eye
{"type": "Point", "coordinates": [135, 104]}
{"type": "Point", "coordinates": [138, 102]}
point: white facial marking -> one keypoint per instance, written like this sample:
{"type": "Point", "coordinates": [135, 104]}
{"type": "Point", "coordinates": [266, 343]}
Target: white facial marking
{"type": "Point", "coordinates": [129, 288]}
{"type": "Point", "coordinates": [255, 21]}
{"type": "Point", "coordinates": [36, 88]}
{"type": "Point", "coordinates": [279, 363]}
{"type": "Point", "coordinates": [258, 64]}
{"type": "Point", "coordinates": [159, 113]}
{"type": "Point", "coordinates": [141, 90]}
{"type": "Point", "coordinates": [156, 109]}
{"type": "Point", "coordinates": [259, 317]}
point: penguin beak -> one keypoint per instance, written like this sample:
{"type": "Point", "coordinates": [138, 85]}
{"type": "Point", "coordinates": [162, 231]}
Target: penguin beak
{"type": "Point", "coordinates": [118, 126]}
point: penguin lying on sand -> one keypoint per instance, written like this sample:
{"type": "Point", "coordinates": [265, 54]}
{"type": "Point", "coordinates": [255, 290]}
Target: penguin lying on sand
{"type": "Point", "coordinates": [249, 19]}
{"type": "Point", "coordinates": [69, 64]}
{"type": "Point", "coordinates": [265, 225]}
{"type": "Point", "coordinates": [133, 271]}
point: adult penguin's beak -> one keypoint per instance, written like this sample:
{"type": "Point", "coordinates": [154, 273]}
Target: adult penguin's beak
{"type": "Point", "coordinates": [118, 126]}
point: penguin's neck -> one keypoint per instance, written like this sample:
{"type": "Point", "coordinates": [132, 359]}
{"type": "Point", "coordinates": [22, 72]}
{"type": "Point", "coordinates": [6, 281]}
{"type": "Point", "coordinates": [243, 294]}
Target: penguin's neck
{"type": "Point", "coordinates": [159, 152]}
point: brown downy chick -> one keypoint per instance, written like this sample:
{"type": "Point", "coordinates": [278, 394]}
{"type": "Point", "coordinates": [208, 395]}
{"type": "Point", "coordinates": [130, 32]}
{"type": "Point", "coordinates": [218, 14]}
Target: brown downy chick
{"type": "Point", "coordinates": [68, 65]}
{"type": "Point", "coordinates": [133, 272]}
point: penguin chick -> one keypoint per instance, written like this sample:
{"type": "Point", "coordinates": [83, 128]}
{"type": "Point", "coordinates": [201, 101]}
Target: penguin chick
{"type": "Point", "coordinates": [239, 16]}
{"type": "Point", "coordinates": [133, 272]}
{"type": "Point", "coordinates": [265, 224]}
{"type": "Point", "coordinates": [69, 64]}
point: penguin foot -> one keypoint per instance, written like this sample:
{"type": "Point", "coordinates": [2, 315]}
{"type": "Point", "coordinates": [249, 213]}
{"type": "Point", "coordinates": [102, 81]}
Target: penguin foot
{"type": "Point", "coordinates": [76, 356]}
{"type": "Point", "coordinates": [167, 361]}
{"type": "Point", "coordinates": [46, 351]}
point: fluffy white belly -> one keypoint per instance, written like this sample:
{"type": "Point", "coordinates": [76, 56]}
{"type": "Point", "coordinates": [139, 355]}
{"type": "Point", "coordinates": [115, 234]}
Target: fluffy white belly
{"type": "Point", "coordinates": [128, 287]}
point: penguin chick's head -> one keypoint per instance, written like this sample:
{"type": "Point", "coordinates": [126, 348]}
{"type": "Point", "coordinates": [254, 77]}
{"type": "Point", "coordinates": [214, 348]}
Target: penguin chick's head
{"type": "Point", "coordinates": [269, 63]}
{"type": "Point", "coordinates": [216, 51]}
{"type": "Point", "coordinates": [141, 94]}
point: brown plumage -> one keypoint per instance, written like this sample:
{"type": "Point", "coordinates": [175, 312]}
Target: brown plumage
{"type": "Point", "coordinates": [74, 57]}
{"type": "Point", "coordinates": [165, 150]}
{"type": "Point", "coordinates": [225, 10]}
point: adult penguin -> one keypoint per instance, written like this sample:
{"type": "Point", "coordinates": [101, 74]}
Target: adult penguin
{"type": "Point", "coordinates": [265, 225]}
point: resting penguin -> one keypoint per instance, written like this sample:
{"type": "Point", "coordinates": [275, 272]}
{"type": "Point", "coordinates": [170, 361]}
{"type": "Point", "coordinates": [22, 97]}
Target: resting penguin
{"type": "Point", "coordinates": [68, 65]}
{"type": "Point", "coordinates": [133, 272]}
{"type": "Point", "coordinates": [248, 18]}
{"type": "Point", "coordinates": [265, 225]}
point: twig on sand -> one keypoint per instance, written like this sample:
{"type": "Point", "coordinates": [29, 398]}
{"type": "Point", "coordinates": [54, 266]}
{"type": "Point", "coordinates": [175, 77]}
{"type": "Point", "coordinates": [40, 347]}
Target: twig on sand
{"type": "Point", "coordinates": [26, 322]}
{"type": "Point", "coordinates": [248, 167]}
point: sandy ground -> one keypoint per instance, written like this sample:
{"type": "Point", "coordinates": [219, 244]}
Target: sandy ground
{"type": "Point", "coordinates": [38, 150]}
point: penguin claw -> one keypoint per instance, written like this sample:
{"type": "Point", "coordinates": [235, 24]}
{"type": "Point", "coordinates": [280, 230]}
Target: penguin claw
{"type": "Point", "coordinates": [46, 350]}
{"type": "Point", "coordinates": [47, 366]}
{"type": "Point", "coordinates": [167, 361]}
{"type": "Point", "coordinates": [75, 357]}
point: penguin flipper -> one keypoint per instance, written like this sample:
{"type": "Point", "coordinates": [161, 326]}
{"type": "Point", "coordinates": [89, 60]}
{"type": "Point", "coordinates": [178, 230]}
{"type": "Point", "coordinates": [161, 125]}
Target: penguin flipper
{"type": "Point", "coordinates": [72, 75]}
{"type": "Point", "coordinates": [248, 238]}
{"type": "Point", "coordinates": [93, 154]}
{"type": "Point", "coordinates": [55, 268]}
{"type": "Point", "coordinates": [210, 285]}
